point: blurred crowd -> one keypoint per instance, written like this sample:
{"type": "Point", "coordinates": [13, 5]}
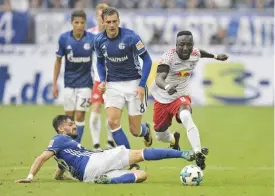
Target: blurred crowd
{"type": "Point", "coordinates": [136, 4]}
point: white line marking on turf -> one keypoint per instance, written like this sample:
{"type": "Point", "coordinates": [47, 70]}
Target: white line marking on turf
{"type": "Point", "coordinates": [226, 168]}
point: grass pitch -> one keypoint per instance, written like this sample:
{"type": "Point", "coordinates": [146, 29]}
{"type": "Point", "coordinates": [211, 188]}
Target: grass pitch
{"type": "Point", "coordinates": [240, 162]}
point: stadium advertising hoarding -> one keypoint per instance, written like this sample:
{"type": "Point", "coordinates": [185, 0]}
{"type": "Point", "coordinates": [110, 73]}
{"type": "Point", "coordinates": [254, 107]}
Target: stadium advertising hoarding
{"type": "Point", "coordinates": [246, 78]}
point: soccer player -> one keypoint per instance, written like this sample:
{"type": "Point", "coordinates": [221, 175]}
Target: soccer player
{"type": "Point", "coordinates": [124, 83]}
{"type": "Point", "coordinates": [96, 166]}
{"type": "Point", "coordinates": [96, 97]}
{"type": "Point", "coordinates": [77, 47]}
{"type": "Point", "coordinates": [170, 91]}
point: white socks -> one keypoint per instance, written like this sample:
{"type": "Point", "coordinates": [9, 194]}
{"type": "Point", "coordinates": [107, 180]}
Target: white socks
{"type": "Point", "coordinates": [191, 129]}
{"type": "Point", "coordinates": [109, 132]}
{"type": "Point", "coordinates": [165, 136]}
{"type": "Point", "coordinates": [95, 127]}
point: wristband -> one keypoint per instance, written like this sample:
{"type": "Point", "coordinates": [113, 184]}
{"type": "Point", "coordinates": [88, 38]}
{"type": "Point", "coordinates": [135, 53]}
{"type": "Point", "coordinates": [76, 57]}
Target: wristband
{"type": "Point", "coordinates": [30, 176]}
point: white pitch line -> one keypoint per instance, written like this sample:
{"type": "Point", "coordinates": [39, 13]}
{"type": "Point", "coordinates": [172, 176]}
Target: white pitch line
{"type": "Point", "coordinates": [210, 167]}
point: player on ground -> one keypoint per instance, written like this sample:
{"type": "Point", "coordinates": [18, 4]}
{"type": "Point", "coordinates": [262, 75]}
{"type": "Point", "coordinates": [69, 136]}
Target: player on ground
{"type": "Point", "coordinates": [125, 83]}
{"type": "Point", "coordinates": [96, 166]}
{"type": "Point", "coordinates": [77, 47]}
{"type": "Point", "coordinates": [170, 91]}
{"type": "Point", "coordinates": [96, 98]}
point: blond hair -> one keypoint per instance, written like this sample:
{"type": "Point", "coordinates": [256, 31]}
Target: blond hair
{"type": "Point", "coordinates": [101, 6]}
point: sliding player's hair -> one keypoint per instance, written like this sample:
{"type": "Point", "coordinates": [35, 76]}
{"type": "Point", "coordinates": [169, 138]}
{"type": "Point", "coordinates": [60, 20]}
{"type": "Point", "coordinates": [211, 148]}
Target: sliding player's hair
{"type": "Point", "coordinates": [58, 120]}
{"type": "Point", "coordinates": [78, 13]}
{"type": "Point", "coordinates": [109, 11]}
{"type": "Point", "coordinates": [184, 33]}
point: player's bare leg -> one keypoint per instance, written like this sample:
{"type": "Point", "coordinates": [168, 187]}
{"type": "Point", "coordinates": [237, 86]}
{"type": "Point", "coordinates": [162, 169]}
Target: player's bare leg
{"type": "Point", "coordinates": [139, 129]}
{"type": "Point", "coordinates": [193, 134]}
{"type": "Point", "coordinates": [114, 115]}
{"type": "Point", "coordinates": [80, 123]}
{"type": "Point", "coordinates": [70, 114]}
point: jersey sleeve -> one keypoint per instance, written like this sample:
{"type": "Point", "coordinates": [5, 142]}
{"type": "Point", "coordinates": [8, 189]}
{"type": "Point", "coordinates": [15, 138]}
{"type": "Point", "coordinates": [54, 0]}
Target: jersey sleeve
{"type": "Point", "coordinates": [137, 44]}
{"type": "Point", "coordinates": [97, 49]}
{"type": "Point", "coordinates": [61, 46]}
{"type": "Point", "coordinates": [56, 144]}
{"type": "Point", "coordinates": [167, 58]}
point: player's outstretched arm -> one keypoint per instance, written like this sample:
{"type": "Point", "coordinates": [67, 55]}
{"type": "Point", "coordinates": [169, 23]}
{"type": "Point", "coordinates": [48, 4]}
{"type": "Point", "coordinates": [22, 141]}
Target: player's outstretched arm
{"type": "Point", "coordinates": [220, 57]}
{"type": "Point", "coordinates": [37, 164]}
{"type": "Point", "coordinates": [57, 67]}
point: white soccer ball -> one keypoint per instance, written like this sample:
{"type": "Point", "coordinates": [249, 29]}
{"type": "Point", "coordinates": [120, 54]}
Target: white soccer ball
{"type": "Point", "coordinates": [191, 175]}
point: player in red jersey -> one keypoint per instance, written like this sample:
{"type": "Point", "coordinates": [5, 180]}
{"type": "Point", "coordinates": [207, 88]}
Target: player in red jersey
{"type": "Point", "coordinates": [96, 98]}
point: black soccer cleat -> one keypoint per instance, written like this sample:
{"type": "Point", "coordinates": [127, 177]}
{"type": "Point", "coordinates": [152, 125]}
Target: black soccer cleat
{"type": "Point", "coordinates": [200, 160]}
{"type": "Point", "coordinates": [134, 167]}
{"type": "Point", "coordinates": [177, 139]}
{"type": "Point", "coordinates": [148, 140]}
{"type": "Point", "coordinates": [110, 144]}
{"type": "Point", "coordinates": [97, 147]}
{"type": "Point", "coordinates": [205, 150]}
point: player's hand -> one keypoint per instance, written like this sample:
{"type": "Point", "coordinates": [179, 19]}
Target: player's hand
{"type": "Point", "coordinates": [172, 89]}
{"type": "Point", "coordinates": [102, 87]}
{"type": "Point", "coordinates": [26, 180]}
{"type": "Point", "coordinates": [55, 91]}
{"type": "Point", "coordinates": [222, 57]}
{"type": "Point", "coordinates": [140, 93]}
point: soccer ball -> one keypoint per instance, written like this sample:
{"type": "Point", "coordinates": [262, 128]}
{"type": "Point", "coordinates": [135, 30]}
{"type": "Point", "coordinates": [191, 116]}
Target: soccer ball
{"type": "Point", "coordinates": [191, 175]}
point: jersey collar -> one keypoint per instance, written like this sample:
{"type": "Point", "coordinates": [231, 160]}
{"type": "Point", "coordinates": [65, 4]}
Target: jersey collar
{"type": "Point", "coordinates": [80, 38]}
{"type": "Point", "coordinates": [118, 35]}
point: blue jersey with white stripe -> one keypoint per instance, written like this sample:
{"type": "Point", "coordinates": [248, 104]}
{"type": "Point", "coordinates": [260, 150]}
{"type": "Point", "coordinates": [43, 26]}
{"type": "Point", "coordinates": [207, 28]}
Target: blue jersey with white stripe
{"type": "Point", "coordinates": [121, 54]}
{"type": "Point", "coordinates": [70, 155]}
{"type": "Point", "coordinates": [78, 59]}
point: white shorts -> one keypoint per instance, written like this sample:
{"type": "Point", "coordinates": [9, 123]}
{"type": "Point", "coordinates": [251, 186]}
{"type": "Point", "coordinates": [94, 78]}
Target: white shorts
{"type": "Point", "coordinates": [119, 94]}
{"type": "Point", "coordinates": [110, 162]}
{"type": "Point", "coordinates": [77, 99]}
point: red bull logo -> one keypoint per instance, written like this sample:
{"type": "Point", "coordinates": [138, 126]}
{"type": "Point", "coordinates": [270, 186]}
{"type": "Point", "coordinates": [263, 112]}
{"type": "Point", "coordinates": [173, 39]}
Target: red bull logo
{"type": "Point", "coordinates": [183, 74]}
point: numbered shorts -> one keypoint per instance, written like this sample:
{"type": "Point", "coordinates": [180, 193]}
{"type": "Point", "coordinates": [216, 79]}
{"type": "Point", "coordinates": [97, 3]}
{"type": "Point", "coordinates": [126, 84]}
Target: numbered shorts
{"type": "Point", "coordinates": [77, 99]}
{"type": "Point", "coordinates": [110, 162]}
{"type": "Point", "coordinates": [119, 94]}
{"type": "Point", "coordinates": [96, 96]}
{"type": "Point", "coordinates": [164, 113]}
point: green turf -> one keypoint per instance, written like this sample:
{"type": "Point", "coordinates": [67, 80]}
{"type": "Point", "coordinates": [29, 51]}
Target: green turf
{"type": "Point", "coordinates": [240, 162]}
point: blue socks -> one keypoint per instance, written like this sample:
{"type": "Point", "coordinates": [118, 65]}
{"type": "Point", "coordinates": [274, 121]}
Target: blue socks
{"type": "Point", "coordinates": [126, 178]}
{"type": "Point", "coordinates": [120, 138]}
{"type": "Point", "coordinates": [143, 130]}
{"type": "Point", "coordinates": [80, 130]}
{"type": "Point", "coordinates": [150, 154]}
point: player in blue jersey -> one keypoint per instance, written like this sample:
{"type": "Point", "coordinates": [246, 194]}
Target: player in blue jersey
{"type": "Point", "coordinates": [124, 82]}
{"type": "Point", "coordinates": [77, 48]}
{"type": "Point", "coordinates": [96, 166]}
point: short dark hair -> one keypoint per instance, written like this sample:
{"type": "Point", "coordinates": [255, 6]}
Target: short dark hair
{"type": "Point", "coordinates": [78, 13]}
{"type": "Point", "coordinates": [109, 11]}
{"type": "Point", "coordinates": [184, 33]}
{"type": "Point", "coordinates": [58, 120]}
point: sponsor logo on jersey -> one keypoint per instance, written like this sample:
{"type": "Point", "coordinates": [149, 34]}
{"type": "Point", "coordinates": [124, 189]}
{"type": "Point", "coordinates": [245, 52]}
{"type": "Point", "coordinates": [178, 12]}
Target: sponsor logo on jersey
{"type": "Point", "coordinates": [139, 45]}
{"type": "Point", "coordinates": [117, 59]}
{"type": "Point", "coordinates": [183, 74]}
{"type": "Point", "coordinates": [73, 59]}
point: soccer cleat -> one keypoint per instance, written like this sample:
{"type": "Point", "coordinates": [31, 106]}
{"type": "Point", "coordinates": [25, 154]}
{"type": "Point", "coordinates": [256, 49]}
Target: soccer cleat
{"type": "Point", "coordinates": [148, 140]}
{"type": "Point", "coordinates": [97, 147]}
{"type": "Point", "coordinates": [177, 139]}
{"type": "Point", "coordinates": [134, 167]}
{"type": "Point", "coordinates": [200, 160]}
{"type": "Point", "coordinates": [188, 155]}
{"type": "Point", "coordinates": [110, 145]}
{"type": "Point", "coordinates": [205, 150]}
{"type": "Point", "coordinates": [103, 179]}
